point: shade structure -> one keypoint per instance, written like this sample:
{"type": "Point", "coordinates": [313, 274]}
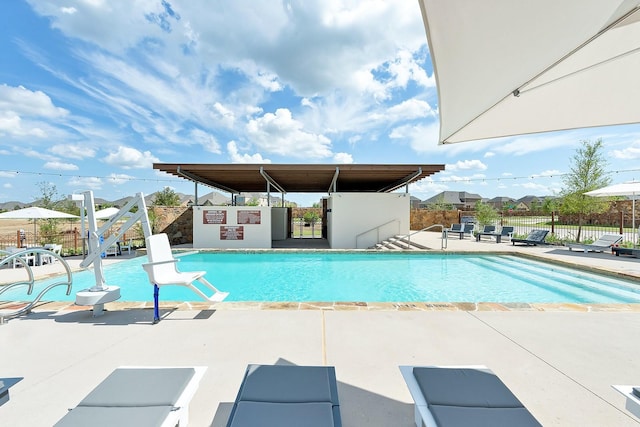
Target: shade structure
{"type": "Point", "coordinates": [631, 189]}
{"type": "Point", "coordinates": [35, 213]}
{"type": "Point", "coordinates": [507, 67]}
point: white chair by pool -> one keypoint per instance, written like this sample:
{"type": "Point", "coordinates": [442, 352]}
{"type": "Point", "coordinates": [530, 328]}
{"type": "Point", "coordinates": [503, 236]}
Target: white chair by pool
{"type": "Point", "coordinates": [162, 271]}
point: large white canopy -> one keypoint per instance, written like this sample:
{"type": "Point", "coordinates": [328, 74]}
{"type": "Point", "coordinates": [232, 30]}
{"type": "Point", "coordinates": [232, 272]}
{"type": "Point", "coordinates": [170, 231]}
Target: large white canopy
{"type": "Point", "coordinates": [510, 67]}
{"type": "Point", "coordinates": [631, 188]}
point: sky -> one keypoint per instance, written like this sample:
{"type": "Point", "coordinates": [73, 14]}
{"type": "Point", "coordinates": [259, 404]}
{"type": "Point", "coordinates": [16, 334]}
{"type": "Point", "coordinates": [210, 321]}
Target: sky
{"type": "Point", "coordinates": [93, 92]}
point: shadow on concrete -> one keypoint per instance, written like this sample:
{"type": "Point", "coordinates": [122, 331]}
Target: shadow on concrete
{"type": "Point", "coordinates": [596, 255]}
{"type": "Point", "coordinates": [358, 407]}
{"type": "Point", "coordinates": [122, 317]}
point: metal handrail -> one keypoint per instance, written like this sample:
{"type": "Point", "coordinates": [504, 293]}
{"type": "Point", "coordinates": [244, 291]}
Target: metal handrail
{"type": "Point", "coordinates": [377, 229]}
{"type": "Point", "coordinates": [443, 242]}
{"type": "Point", "coordinates": [31, 279]}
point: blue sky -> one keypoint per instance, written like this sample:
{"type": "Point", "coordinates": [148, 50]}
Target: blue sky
{"type": "Point", "coordinates": [92, 92]}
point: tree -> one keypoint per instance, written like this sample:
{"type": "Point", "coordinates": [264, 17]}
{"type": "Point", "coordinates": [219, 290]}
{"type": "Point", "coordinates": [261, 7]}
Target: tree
{"type": "Point", "coordinates": [587, 173]}
{"type": "Point", "coordinates": [49, 199]}
{"type": "Point", "coordinates": [485, 213]}
{"type": "Point", "coordinates": [166, 197]}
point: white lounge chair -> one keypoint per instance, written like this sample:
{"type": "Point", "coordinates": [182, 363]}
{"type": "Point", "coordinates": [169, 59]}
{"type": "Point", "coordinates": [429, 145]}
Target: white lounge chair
{"type": "Point", "coordinates": [632, 394]}
{"type": "Point", "coordinates": [138, 396]}
{"type": "Point", "coordinates": [162, 271]}
{"type": "Point", "coordinates": [447, 396]}
{"type": "Point", "coordinates": [604, 243]}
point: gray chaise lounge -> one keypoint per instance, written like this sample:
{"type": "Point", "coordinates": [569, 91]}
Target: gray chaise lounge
{"type": "Point", "coordinates": [138, 397]}
{"type": "Point", "coordinates": [463, 396]}
{"type": "Point", "coordinates": [535, 237]}
{"type": "Point", "coordinates": [604, 243]}
{"type": "Point", "coordinates": [285, 395]}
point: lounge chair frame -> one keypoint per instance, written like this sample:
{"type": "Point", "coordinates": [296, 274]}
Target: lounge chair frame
{"type": "Point", "coordinates": [535, 237]}
{"type": "Point", "coordinates": [604, 243]}
{"type": "Point", "coordinates": [283, 395]}
{"type": "Point", "coordinates": [102, 402]}
{"type": "Point", "coordinates": [423, 415]}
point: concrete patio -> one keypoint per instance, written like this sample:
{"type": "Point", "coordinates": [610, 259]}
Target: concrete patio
{"type": "Point", "coordinates": [560, 361]}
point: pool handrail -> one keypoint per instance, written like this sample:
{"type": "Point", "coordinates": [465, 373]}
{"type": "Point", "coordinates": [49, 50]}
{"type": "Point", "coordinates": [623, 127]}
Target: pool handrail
{"type": "Point", "coordinates": [443, 242]}
{"type": "Point", "coordinates": [377, 230]}
{"type": "Point", "coordinates": [31, 280]}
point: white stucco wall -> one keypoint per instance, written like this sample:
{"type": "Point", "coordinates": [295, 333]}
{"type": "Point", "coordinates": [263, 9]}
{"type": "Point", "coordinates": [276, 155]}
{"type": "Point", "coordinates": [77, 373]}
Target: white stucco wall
{"type": "Point", "coordinates": [355, 213]}
{"type": "Point", "coordinates": [207, 233]}
{"type": "Point", "coordinates": [279, 223]}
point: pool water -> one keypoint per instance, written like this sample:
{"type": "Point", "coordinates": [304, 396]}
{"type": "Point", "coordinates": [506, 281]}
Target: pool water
{"type": "Point", "coordinates": [370, 277]}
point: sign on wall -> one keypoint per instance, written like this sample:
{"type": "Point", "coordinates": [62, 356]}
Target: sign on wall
{"type": "Point", "coordinates": [249, 217]}
{"type": "Point", "coordinates": [232, 233]}
{"type": "Point", "coordinates": [214, 217]}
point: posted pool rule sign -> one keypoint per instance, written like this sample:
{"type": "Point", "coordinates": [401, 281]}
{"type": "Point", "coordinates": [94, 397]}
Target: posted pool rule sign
{"type": "Point", "coordinates": [232, 233]}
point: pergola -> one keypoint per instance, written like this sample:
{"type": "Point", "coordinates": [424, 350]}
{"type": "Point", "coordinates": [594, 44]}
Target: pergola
{"type": "Point", "coordinates": [301, 178]}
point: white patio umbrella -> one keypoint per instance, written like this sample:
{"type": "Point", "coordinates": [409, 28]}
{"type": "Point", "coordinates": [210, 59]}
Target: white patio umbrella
{"type": "Point", "coordinates": [106, 213]}
{"type": "Point", "coordinates": [631, 189]}
{"type": "Point", "coordinates": [506, 67]}
{"type": "Point", "coordinates": [35, 213]}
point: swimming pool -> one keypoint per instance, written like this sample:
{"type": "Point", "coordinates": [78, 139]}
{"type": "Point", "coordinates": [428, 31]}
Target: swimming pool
{"type": "Point", "coordinates": [369, 277]}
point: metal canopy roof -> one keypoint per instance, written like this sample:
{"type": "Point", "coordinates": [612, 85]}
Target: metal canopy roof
{"type": "Point", "coordinates": [297, 178]}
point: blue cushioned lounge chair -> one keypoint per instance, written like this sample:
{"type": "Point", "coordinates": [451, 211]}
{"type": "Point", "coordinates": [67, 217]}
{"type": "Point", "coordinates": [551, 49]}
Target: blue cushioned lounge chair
{"type": "Point", "coordinates": [535, 237]}
{"type": "Point", "coordinates": [140, 397]}
{"type": "Point", "coordinates": [286, 395]}
{"type": "Point", "coordinates": [449, 396]}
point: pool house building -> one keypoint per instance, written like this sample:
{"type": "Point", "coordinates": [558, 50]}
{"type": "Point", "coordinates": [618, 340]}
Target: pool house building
{"type": "Point", "coordinates": [364, 205]}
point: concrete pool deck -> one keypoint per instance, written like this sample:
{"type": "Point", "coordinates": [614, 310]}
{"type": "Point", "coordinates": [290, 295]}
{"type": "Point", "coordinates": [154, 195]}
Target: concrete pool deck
{"type": "Point", "coordinates": [560, 362]}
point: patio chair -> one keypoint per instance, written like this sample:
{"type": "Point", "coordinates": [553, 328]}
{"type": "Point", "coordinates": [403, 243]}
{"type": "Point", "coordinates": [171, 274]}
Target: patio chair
{"type": "Point", "coordinates": [535, 237]}
{"type": "Point", "coordinates": [286, 395]}
{"type": "Point", "coordinates": [162, 271]}
{"type": "Point", "coordinates": [506, 232]}
{"type": "Point", "coordinates": [487, 230]}
{"type": "Point", "coordinates": [455, 228]}
{"type": "Point", "coordinates": [138, 396]}
{"type": "Point", "coordinates": [459, 396]}
{"type": "Point", "coordinates": [49, 259]}
{"type": "Point", "coordinates": [27, 257]}
{"type": "Point", "coordinates": [126, 246]}
{"type": "Point", "coordinates": [604, 243]}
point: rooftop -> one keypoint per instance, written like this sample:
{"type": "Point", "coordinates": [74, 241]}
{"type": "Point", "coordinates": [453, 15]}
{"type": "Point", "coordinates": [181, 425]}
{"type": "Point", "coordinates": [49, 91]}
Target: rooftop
{"type": "Point", "coordinates": [543, 353]}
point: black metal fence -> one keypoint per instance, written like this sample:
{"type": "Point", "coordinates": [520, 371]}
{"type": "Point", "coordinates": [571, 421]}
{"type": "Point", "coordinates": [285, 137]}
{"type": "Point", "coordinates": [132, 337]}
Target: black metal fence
{"type": "Point", "coordinates": [570, 228]}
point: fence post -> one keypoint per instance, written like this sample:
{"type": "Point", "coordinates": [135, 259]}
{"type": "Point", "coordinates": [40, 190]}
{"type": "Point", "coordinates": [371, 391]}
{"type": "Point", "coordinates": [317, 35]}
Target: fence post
{"type": "Point", "coordinates": [553, 222]}
{"type": "Point", "coordinates": [621, 222]}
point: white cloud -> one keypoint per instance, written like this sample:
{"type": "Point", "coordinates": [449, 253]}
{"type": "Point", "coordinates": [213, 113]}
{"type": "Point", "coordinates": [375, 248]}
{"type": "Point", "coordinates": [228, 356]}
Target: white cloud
{"type": "Point", "coordinates": [343, 158]}
{"type": "Point", "coordinates": [85, 183]}
{"type": "Point", "coordinates": [421, 138]}
{"type": "Point", "coordinates": [489, 154]}
{"type": "Point", "coordinates": [466, 165]}
{"type": "Point", "coordinates": [119, 178]}
{"type": "Point", "coordinates": [280, 134]}
{"type": "Point", "coordinates": [7, 185]}
{"type": "Point", "coordinates": [24, 102]}
{"type": "Point", "coordinates": [4, 174]}
{"type": "Point", "coordinates": [629, 153]}
{"type": "Point", "coordinates": [236, 157]}
{"type": "Point", "coordinates": [206, 140]}
{"type": "Point", "coordinates": [60, 166]}
{"type": "Point", "coordinates": [547, 173]}
{"type": "Point", "coordinates": [73, 151]}
{"type": "Point", "coordinates": [130, 158]}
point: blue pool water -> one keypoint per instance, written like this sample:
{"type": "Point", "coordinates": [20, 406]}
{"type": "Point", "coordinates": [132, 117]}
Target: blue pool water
{"type": "Point", "coordinates": [370, 277]}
